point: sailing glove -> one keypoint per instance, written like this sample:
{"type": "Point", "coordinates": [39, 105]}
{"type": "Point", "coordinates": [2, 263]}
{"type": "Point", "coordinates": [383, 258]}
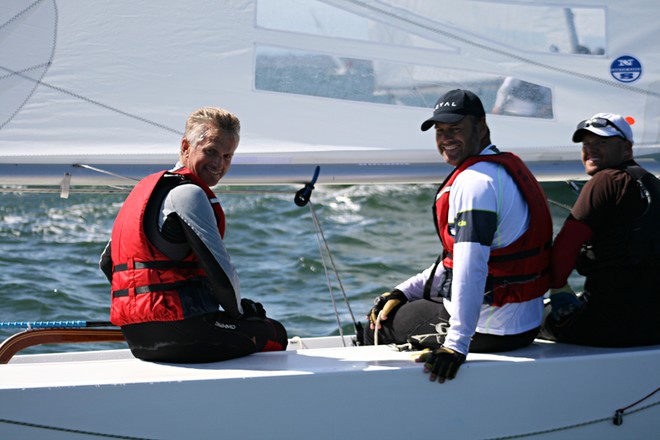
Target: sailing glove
{"type": "Point", "coordinates": [386, 303]}
{"type": "Point", "coordinates": [564, 302]}
{"type": "Point", "coordinates": [252, 311]}
{"type": "Point", "coordinates": [442, 363]}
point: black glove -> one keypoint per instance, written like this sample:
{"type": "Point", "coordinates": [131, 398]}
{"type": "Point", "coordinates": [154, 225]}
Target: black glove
{"type": "Point", "coordinates": [386, 302]}
{"type": "Point", "coordinates": [252, 311]}
{"type": "Point", "coordinates": [442, 363]}
{"type": "Point", "coordinates": [564, 302]}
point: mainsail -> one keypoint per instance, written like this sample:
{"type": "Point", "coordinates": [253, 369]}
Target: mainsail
{"type": "Point", "coordinates": [89, 88]}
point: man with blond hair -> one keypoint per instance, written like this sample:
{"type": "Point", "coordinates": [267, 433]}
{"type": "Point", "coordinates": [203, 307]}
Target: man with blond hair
{"type": "Point", "coordinates": [175, 292]}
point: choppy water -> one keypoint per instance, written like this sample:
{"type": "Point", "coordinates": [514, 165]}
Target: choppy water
{"type": "Point", "coordinates": [378, 235]}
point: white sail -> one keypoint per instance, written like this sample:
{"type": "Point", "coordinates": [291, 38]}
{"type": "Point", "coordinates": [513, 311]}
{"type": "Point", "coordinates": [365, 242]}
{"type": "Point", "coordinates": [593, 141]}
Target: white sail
{"type": "Point", "coordinates": [89, 87]}
{"type": "Point", "coordinates": [340, 84]}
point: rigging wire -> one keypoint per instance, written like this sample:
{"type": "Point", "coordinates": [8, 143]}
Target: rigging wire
{"type": "Point", "coordinates": [69, 430]}
{"type": "Point", "coordinates": [575, 187]}
{"type": "Point", "coordinates": [302, 198]}
{"type": "Point", "coordinates": [561, 205]}
{"type": "Point", "coordinates": [321, 239]}
{"type": "Point", "coordinates": [102, 171]}
{"type": "Point", "coordinates": [617, 420]}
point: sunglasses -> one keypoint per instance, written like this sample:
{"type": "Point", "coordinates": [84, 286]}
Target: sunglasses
{"type": "Point", "coordinates": [600, 123]}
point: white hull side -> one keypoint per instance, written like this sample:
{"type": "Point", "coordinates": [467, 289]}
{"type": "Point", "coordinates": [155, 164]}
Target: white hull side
{"type": "Point", "coordinates": [331, 393]}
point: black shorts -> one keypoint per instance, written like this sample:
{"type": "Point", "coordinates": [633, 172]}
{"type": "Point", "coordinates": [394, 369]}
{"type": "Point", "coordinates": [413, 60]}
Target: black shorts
{"type": "Point", "coordinates": [622, 322]}
{"type": "Point", "coordinates": [424, 323]}
{"type": "Point", "coordinates": [207, 338]}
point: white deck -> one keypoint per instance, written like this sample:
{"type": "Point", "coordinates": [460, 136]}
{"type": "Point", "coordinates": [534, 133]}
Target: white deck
{"type": "Point", "coordinates": [120, 367]}
{"type": "Point", "coordinates": [332, 393]}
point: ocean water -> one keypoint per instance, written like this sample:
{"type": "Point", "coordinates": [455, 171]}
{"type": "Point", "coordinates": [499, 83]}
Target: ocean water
{"type": "Point", "coordinates": [377, 236]}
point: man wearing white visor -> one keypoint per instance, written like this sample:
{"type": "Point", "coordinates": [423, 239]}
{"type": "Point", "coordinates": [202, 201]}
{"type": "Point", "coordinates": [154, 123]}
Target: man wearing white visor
{"type": "Point", "coordinates": [612, 237]}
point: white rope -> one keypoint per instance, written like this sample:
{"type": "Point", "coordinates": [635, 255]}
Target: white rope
{"type": "Point", "coordinates": [377, 327]}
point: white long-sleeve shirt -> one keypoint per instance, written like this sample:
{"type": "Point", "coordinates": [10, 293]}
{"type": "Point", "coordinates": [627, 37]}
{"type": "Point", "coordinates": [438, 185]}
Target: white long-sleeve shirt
{"type": "Point", "coordinates": [487, 187]}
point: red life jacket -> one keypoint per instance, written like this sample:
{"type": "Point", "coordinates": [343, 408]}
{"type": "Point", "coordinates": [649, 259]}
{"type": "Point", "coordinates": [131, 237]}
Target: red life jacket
{"type": "Point", "coordinates": [146, 284]}
{"type": "Point", "coordinates": [520, 271]}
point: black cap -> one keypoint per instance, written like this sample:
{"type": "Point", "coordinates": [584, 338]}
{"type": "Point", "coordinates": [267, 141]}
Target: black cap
{"type": "Point", "coordinates": [454, 106]}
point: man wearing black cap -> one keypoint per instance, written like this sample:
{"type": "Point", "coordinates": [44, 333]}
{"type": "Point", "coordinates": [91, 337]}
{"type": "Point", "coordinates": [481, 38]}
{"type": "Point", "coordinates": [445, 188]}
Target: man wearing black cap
{"type": "Point", "coordinates": [485, 292]}
{"type": "Point", "coordinates": [612, 237]}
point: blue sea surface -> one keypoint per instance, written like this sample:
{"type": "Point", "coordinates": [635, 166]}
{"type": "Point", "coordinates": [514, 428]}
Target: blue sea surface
{"type": "Point", "coordinates": [377, 235]}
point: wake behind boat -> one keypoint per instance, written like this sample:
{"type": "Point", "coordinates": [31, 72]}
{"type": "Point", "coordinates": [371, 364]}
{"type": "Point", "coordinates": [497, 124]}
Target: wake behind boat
{"type": "Point", "coordinates": [321, 389]}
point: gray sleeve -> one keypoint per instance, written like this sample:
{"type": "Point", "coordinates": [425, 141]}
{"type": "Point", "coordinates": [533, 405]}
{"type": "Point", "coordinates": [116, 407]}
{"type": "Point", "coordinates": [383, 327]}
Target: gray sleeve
{"type": "Point", "coordinates": [105, 263]}
{"type": "Point", "coordinates": [191, 205]}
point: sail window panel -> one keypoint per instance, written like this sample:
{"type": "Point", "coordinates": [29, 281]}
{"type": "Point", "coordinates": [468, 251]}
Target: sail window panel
{"type": "Point", "coordinates": [309, 73]}
{"type": "Point", "coordinates": [312, 17]}
{"type": "Point", "coordinates": [516, 97]}
{"type": "Point", "coordinates": [532, 28]}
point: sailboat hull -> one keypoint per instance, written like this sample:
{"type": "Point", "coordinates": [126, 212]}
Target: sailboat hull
{"type": "Point", "coordinates": [322, 390]}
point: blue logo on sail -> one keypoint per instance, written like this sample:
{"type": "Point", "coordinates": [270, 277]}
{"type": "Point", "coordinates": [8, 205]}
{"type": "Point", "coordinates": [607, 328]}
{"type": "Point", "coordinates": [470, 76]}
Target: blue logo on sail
{"type": "Point", "coordinates": [626, 69]}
